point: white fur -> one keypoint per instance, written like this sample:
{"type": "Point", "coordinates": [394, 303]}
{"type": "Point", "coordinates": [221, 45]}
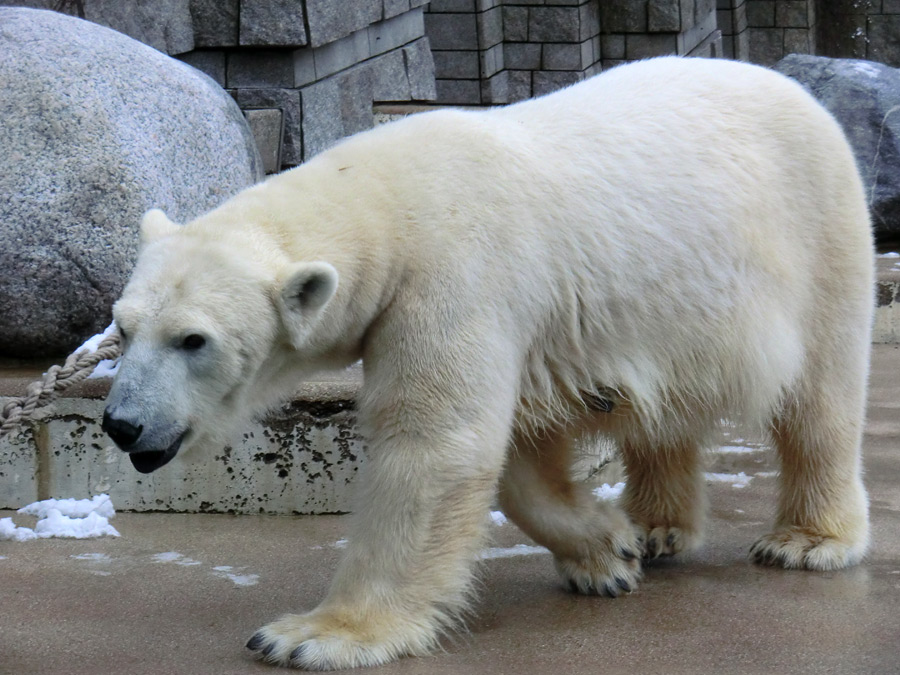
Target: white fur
{"type": "Point", "coordinates": [685, 238]}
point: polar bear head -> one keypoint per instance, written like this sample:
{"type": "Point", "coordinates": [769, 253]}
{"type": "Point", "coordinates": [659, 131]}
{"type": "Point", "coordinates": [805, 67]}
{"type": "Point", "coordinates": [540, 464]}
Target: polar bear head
{"type": "Point", "coordinates": [207, 324]}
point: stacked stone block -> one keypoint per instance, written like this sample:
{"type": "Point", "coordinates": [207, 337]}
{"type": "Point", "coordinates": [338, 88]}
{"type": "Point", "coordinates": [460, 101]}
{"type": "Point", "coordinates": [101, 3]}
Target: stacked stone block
{"type": "Point", "coordinates": [780, 27]}
{"type": "Point", "coordinates": [550, 44]}
{"type": "Point", "coordinates": [306, 72]}
{"type": "Point", "coordinates": [466, 39]}
{"type": "Point", "coordinates": [860, 29]}
{"type": "Point", "coordinates": [732, 20]}
{"type": "Point", "coordinates": [639, 29]}
{"type": "Point", "coordinates": [497, 51]}
{"type": "Point", "coordinates": [319, 64]}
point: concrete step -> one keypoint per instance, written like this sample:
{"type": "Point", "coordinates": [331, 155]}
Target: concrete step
{"type": "Point", "coordinates": [301, 459]}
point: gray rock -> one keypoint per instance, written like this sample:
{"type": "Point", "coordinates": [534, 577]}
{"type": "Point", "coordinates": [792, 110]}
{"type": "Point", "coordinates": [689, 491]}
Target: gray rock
{"type": "Point", "coordinates": [96, 128]}
{"type": "Point", "coordinates": [865, 98]}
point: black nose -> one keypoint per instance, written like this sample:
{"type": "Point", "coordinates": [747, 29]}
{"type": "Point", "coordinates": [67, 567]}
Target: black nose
{"type": "Point", "coordinates": [123, 433]}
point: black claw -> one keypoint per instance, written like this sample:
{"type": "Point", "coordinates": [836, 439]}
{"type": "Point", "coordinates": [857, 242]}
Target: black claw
{"type": "Point", "coordinates": [298, 653]}
{"type": "Point", "coordinates": [254, 643]}
{"type": "Point", "coordinates": [269, 649]}
{"type": "Point", "coordinates": [652, 547]}
{"type": "Point", "coordinates": [670, 540]}
{"type": "Point", "coordinates": [623, 584]}
{"type": "Point", "coordinates": [609, 591]}
{"type": "Point", "coordinates": [625, 553]}
{"type": "Point", "coordinates": [573, 586]}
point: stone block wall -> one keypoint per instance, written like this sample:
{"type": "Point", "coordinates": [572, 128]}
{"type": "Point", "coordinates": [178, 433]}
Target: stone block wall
{"type": "Point", "coordinates": [639, 29]}
{"type": "Point", "coordinates": [305, 72]}
{"type": "Point", "coordinates": [860, 29]}
{"type": "Point", "coordinates": [316, 66]}
{"type": "Point", "coordinates": [731, 16]}
{"type": "Point", "coordinates": [780, 27]}
{"type": "Point", "coordinates": [498, 51]}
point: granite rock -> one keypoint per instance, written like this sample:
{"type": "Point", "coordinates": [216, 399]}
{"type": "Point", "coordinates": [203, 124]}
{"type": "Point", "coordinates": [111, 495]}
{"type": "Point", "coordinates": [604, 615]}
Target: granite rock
{"type": "Point", "coordinates": [864, 96]}
{"type": "Point", "coordinates": [96, 128]}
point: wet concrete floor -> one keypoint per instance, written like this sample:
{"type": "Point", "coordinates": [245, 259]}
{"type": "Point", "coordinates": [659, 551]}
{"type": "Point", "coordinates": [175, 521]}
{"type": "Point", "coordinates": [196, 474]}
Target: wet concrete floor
{"type": "Point", "coordinates": [182, 593]}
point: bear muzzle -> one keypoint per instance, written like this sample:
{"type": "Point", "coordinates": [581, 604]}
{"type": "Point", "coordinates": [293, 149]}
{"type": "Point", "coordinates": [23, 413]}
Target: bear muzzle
{"type": "Point", "coordinates": [127, 435]}
{"type": "Point", "coordinates": [148, 461]}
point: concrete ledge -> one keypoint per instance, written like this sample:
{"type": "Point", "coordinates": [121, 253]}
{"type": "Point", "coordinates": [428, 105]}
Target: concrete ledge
{"type": "Point", "coordinates": [300, 459]}
{"type": "Point", "coordinates": [887, 301]}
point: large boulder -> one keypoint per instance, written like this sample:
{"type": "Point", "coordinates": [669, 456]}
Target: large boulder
{"type": "Point", "coordinates": [864, 96]}
{"type": "Point", "coordinates": [96, 128]}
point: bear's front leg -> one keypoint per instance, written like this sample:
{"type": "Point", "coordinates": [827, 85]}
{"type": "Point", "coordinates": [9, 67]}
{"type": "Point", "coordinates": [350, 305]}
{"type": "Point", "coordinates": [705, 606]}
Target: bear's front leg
{"type": "Point", "coordinates": [418, 525]}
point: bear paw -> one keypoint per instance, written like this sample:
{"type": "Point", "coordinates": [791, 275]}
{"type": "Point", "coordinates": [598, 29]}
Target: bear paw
{"type": "Point", "coordinates": [332, 641]}
{"type": "Point", "coordinates": [796, 548]}
{"type": "Point", "coordinates": [666, 541]}
{"type": "Point", "coordinates": [610, 574]}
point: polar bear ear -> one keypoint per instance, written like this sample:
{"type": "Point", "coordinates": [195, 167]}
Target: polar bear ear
{"type": "Point", "coordinates": [156, 225]}
{"type": "Point", "coordinates": [306, 289]}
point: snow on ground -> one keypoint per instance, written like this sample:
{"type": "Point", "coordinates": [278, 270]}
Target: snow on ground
{"type": "Point", "coordinates": [498, 518]}
{"type": "Point", "coordinates": [65, 518]}
{"type": "Point", "coordinates": [737, 450]}
{"type": "Point", "coordinates": [104, 368]}
{"type": "Point", "coordinates": [73, 508]}
{"type": "Point", "coordinates": [175, 557]}
{"type": "Point", "coordinates": [220, 571]}
{"type": "Point", "coordinates": [227, 572]}
{"type": "Point", "coordinates": [738, 480]}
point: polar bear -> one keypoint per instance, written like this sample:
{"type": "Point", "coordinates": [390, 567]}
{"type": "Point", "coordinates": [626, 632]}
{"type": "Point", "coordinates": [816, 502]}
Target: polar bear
{"type": "Point", "coordinates": [641, 255]}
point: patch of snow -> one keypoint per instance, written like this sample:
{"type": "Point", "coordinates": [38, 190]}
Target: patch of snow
{"type": "Point", "coordinates": [225, 572]}
{"type": "Point", "coordinates": [65, 518]}
{"type": "Point", "coordinates": [58, 525]}
{"type": "Point", "coordinates": [737, 450]}
{"type": "Point", "coordinates": [861, 67]}
{"type": "Point", "coordinates": [767, 474]}
{"type": "Point", "coordinates": [9, 531]}
{"type": "Point", "coordinates": [105, 368]}
{"type": "Point", "coordinates": [97, 557]}
{"type": "Point", "coordinates": [609, 492]}
{"type": "Point", "coordinates": [738, 480]}
{"type": "Point", "coordinates": [890, 254]}
{"type": "Point", "coordinates": [101, 573]}
{"type": "Point", "coordinates": [498, 517]}
{"type": "Point", "coordinates": [73, 508]}
{"type": "Point", "coordinates": [175, 557]}
{"type": "Point", "coordinates": [517, 550]}
{"type": "Point", "coordinates": [340, 543]}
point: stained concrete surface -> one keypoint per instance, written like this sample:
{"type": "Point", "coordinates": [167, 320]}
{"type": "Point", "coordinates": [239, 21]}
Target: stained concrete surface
{"type": "Point", "coordinates": [118, 606]}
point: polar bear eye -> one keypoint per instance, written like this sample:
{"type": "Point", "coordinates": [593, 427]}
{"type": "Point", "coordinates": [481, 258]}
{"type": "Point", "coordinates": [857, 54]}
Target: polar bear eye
{"type": "Point", "coordinates": [193, 342]}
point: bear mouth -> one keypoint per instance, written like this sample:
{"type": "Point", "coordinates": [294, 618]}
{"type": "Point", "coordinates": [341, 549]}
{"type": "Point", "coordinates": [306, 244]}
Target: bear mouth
{"type": "Point", "coordinates": [148, 461]}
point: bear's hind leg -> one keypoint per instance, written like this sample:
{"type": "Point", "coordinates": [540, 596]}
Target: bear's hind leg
{"type": "Point", "coordinates": [664, 495]}
{"type": "Point", "coordinates": [594, 545]}
{"type": "Point", "coordinates": [822, 521]}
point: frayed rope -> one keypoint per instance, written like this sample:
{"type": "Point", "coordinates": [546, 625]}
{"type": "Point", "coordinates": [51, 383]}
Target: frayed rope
{"type": "Point", "coordinates": [57, 379]}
